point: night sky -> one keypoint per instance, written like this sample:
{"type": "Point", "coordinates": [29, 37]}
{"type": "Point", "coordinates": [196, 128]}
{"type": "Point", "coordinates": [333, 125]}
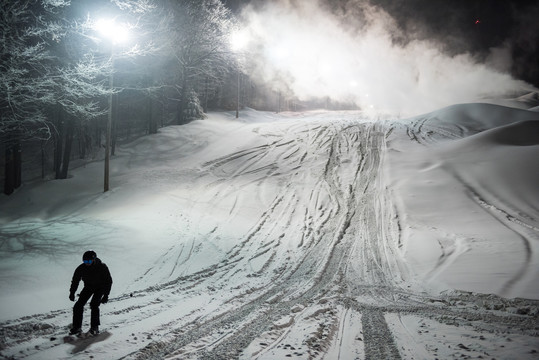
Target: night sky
{"type": "Point", "coordinates": [476, 26]}
{"type": "Point", "coordinates": [460, 26]}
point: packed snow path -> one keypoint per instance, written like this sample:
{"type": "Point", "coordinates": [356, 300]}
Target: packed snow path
{"type": "Point", "coordinates": [317, 274]}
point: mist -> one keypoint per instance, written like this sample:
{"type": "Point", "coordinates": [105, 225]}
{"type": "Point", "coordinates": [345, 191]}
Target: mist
{"type": "Point", "coordinates": [357, 54]}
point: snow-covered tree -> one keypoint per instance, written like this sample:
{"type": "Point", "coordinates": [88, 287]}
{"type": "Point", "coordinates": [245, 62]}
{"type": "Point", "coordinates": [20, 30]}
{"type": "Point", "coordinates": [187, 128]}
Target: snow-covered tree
{"type": "Point", "coordinates": [54, 76]}
{"type": "Point", "coordinates": [26, 79]}
{"type": "Point", "coordinates": [55, 69]}
{"type": "Point", "coordinates": [195, 46]}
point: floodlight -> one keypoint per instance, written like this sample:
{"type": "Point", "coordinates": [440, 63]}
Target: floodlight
{"type": "Point", "coordinates": [111, 30]}
{"type": "Point", "coordinates": [238, 40]}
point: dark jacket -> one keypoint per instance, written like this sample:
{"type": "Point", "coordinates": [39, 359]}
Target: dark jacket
{"type": "Point", "coordinates": [96, 277]}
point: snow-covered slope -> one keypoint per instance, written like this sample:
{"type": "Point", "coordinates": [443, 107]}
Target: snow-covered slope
{"type": "Point", "coordinates": [469, 193]}
{"type": "Point", "coordinates": [306, 234]}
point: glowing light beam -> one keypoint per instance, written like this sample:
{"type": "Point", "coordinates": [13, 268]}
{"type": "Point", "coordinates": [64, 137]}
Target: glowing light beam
{"type": "Point", "coordinates": [239, 40]}
{"type": "Point", "coordinates": [109, 29]}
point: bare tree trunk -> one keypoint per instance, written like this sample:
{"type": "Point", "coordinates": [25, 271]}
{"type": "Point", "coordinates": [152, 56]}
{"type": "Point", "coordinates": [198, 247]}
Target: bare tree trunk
{"type": "Point", "coordinates": [181, 107]}
{"type": "Point", "coordinates": [43, 157]}
{"type": "Point", "coordinates": [152, 126]}
{"type": "Point", "coordinates": [115, 115]}
{"type": "Point", "coordinates": [97, 134]}
{"type": "Point", "coordinates": [206, 93]}
{"type": "Point", "coordinates": [17, 152]}
{"type": "Point", "coordinates": [59, 141]}
{"type": "Point", "coordinates": [183, 99]}
{"type": "Point", "coordinates": [9, 182]}
{"type": "Point", "coordinates": [63, 143]}
{"type": "Point", "coordinates": [13, 168]}
{"type": "Point", "coordinates": [70, 126]}
{"type": "Point", "coordinates": [82, 142]}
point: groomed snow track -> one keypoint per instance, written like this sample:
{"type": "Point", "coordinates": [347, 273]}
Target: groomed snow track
{"type": "Point", "coordinates": [331, 284]}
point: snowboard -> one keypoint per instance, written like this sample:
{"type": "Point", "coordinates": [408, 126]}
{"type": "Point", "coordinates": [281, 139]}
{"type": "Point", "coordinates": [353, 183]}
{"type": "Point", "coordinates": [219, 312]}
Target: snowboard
{"type": "Point", "coordinates": [83, 341]}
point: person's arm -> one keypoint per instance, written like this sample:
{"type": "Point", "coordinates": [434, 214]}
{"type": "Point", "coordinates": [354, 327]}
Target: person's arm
{"type": "Point", "coordinates": [107, 284]}
{"type": "Point", "coordinates": [108, 280]}
{"type": "Point", "coordinates": [77, 276]}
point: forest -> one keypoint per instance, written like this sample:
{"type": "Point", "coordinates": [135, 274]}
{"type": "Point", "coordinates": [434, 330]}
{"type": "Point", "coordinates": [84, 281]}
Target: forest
{"type": "Point", "coordinates": [79, 76]}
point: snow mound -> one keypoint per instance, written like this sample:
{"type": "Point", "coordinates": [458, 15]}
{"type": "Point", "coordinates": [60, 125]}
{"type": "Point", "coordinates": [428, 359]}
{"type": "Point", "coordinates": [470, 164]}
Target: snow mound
{"type": "Point", "coordinates": [467, 165]}
{"type": "Point", "coordinates": [524, 133]}
{"type": "Point", "coordinates": [530, 99]}
{"type": "Point", "coordinates": [458, 121]}
{"type": "Point", "coordinates": [527, 101]}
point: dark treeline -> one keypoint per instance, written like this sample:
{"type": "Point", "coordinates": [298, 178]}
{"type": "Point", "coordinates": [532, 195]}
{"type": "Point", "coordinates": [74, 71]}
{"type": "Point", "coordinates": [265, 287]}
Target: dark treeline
{"type": "Point", "coordinates": [59, 73]}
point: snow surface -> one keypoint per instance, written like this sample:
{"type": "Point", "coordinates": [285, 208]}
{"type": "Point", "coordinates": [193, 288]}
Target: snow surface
{"type": "Point", "coordinates": [311, 235]}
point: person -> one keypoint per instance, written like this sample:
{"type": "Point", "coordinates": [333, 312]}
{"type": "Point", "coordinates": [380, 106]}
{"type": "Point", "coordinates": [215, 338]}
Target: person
{"type": "Point", "coordinates": [97, 283]}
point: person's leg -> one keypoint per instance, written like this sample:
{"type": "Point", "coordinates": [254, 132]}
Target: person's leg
{"type": "Point", "coordinates": [78, 309]}
{"type": "Point", "coordinates": [94, 306]}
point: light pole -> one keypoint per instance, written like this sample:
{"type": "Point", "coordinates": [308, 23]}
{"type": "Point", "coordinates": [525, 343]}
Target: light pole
{"type": "Point", "coordinates": [238, 102]}
{"type": "Point", "coordinates": [116, 34]}
{"type": "Point", "coordinates": [109, 125]}
{"type": "Point", "coordinates": [238, 41]}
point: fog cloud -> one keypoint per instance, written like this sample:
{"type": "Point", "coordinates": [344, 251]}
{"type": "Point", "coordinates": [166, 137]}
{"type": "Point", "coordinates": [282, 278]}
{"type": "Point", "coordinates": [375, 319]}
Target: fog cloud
{"type": "Point", "coordinates": [302, 47]}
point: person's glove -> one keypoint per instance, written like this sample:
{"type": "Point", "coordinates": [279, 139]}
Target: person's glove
{"type": "Point", "coordinates": [104, 299]}
{"type": "Point", "coordinates": [72, 297]}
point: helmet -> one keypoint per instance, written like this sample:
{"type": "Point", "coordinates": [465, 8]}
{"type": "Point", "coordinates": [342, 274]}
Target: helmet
{"type": "Point", "coordinates": [89, 255]}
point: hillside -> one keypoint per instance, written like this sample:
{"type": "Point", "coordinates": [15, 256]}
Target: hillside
{"type": "Point", "coordinates": [314, 235]}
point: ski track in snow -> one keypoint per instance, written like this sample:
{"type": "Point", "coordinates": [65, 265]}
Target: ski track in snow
{"type": "Point", "coordinates": [345, 295]}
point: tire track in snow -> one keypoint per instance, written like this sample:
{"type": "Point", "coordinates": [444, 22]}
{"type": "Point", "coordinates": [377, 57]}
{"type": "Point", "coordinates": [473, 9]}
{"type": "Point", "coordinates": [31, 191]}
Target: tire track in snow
{"type": "Point", "coordinates": [329, 270]}
{"type": "Point", "coordinates": [377, 279]}
{"type": "Point", "coordinates": [379, 343]}
{"type": "Point", "coordinates": [520, 228]}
